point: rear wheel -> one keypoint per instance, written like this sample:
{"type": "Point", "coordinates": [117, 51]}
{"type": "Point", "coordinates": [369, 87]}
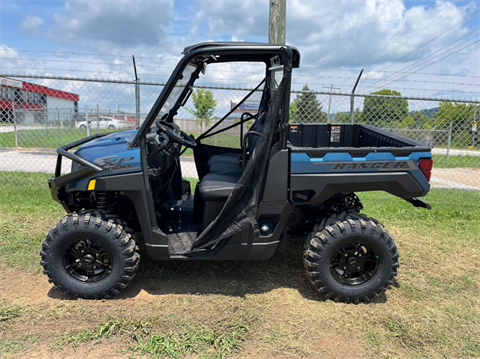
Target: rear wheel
{"type": "Point", "coordinates": [111, 127]}
{"type": "Point", "coordinates": [89, 256]}
{"type": "Point", "coordinates": [83, 127]}
{"type": "Point", "coordinates": [353, 260]}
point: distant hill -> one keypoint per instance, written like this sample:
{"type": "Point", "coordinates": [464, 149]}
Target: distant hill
{"type": "Point", "coordinates": [429, 112]}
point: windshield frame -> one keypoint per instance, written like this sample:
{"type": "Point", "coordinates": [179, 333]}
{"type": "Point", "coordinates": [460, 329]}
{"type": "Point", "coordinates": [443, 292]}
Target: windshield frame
{"type": "Point", "coordinates": [177, 95]}
{"type": "Point", "coordinates": [201, 55]}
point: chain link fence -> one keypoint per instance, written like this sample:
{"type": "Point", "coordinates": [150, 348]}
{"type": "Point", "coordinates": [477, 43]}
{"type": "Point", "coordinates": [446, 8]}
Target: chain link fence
{"type": "Point", "coordinates": [39, 114]}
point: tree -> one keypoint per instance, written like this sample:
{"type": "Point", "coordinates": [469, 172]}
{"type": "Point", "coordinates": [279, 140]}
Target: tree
{"type": "Point", "coordinates": [415, 120]}
{"type": "Point", "coordinates": [344, 117]}
{"type": "Point", "coordinates": [306, 108]}
{"type": "Point", "coordinates": [205, 106]}
{"type": "Point", "coordinates": [461, 115]}
{"type": "Point", "coordinates": [386, 112]}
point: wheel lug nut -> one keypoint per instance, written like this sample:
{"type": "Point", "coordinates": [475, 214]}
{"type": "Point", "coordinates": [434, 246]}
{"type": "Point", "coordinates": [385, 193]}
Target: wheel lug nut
{"type": "Point", "coordinates": [79, 264]}
{"type": "Point", "coordinates": [359, 255]}
{"type": "Point", "coordinates": [344, 267]}
{"type": "Point", "coordinates": [96, 255]}
{"type": "Point", "coordinates": [346, 255]}
{"type": "Point", "coordinates": [83, 251]}
{"type": "Point", "coordinates": [358, 267]}
{"type": "Point", "coordinates": [94, 267]}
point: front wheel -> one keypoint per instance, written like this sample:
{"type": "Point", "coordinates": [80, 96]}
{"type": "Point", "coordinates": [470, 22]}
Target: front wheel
{"type": "Point", "coordinates": [351, 260]}
{"type": "Point", "coordinates": [111, 127]}
{"type": "Point", "coordinates": [89, 256]}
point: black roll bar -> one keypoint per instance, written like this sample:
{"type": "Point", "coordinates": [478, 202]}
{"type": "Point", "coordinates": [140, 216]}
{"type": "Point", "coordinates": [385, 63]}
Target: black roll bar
{"type": "Point", "coordinates": [89, 167]}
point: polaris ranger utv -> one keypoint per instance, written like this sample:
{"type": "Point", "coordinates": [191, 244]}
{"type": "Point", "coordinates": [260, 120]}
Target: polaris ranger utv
{"type": "Point", "coordinates": [284, 180]}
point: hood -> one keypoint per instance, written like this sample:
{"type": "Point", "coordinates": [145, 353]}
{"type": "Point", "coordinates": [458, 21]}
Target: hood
{"type": "Point", "coordinates": [113, 143]}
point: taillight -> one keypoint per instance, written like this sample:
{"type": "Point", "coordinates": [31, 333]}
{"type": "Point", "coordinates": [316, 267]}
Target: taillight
{"type": "Point", "coordinates": [425, 165]}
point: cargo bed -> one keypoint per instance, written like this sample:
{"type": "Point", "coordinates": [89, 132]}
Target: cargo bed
{"type": "Point", "coordinates": [326, 159]}
{"type": "Point", "coordinates": [354, 138]}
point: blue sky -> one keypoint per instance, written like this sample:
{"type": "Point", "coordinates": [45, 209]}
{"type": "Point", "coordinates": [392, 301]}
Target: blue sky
{"type": "Point", "coordinates": [335, 38]}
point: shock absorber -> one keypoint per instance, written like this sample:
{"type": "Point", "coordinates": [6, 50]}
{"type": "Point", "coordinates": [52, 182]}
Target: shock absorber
{"type": "Point", "coordinates": [104, 200]}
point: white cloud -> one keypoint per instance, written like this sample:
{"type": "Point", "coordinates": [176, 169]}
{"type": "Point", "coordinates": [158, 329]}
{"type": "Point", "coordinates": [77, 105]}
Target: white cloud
{"type": "Point", "coordinates": [30, 25]}
{"type": "Point", "coordinates": [341, 34]}
{"type": "Point", "coordinates": [113, 26]}
{"type": "Point", "coordinates": [338, 33]}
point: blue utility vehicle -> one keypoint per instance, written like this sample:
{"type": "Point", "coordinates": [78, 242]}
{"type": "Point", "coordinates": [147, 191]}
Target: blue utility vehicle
{"type": "Point", "coordinates": [284, 180]}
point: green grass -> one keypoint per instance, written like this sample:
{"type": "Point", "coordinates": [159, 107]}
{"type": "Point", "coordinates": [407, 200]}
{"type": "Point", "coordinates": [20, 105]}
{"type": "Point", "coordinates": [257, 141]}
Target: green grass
{"type": "Point", "coordinates": [27, 210]}
{"type": "Point", "coordinates": [8, 312]}
{"type": "Point", "coordinates": [166, 338]}
{"type": "Point", "coordinates": [42, 138]}
{"type": "Point", "coordinates": [54, 137]}
{"type": "Point", "coordinates": [12, 345]}
{"type": "Point", "coordinates": [440, 161]}
{"type": "Point", "coordinates": [267, 308]}
{"type": "Point", "coordinates": [220, 140]}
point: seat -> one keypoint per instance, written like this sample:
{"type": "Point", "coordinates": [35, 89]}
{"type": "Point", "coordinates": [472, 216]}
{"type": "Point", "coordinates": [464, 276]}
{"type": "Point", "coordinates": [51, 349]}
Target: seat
{"type": "Point", "coordinates": [224, 158]}
{"type": "Point", "coordinates": [218, 186]}
{"type": "Point", "coordinates": [226, 167]}
{"type": "Point", "coordinates": [231, 162]}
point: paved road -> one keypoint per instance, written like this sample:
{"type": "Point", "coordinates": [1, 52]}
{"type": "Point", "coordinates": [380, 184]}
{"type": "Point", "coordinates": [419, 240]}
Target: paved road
{"type": "Point", "coordinates": [43, 161]}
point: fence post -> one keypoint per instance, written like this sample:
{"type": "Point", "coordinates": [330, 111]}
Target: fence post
{"type": "Point", "coordinates": [137, 102]}
{"type": "Point", "coordinates": [352, 97]}
{"type": "Point", "coordinates": [98, 119]}
{"type": "Point", "coordinates": [58, 124]}
{"type": "Point", "coordinates": [86, 121]}
{"type": "Point", "coordinates": [46, 121]}
{"type": "Point", "coordinates": [474, 124]}
{"type": "Point", "coordinates": [15, 126]}
{"type": "Point", "coordinates": [449, 140]}
{"type": "Point", "coordinates": [352, 107]}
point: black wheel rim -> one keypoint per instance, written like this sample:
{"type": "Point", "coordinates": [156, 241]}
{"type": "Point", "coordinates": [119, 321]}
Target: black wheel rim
{"type": "Point", "coordinates": [87, 261]}
{"type": "Point", "coordinates": [354, 264]}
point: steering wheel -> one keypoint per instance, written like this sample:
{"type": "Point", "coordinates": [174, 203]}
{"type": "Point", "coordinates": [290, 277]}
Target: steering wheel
{"type": "Point", "coordinates": [171, 131]}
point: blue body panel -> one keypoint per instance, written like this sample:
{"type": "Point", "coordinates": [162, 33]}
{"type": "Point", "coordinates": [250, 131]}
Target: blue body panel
{"type": "Point", "coordinates": [112, 153]}
{"type": "Point", "coordinates": [302, 163]}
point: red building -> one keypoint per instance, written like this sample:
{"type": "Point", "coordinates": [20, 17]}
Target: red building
{"type": "Point", "coordinates": [33, 103]}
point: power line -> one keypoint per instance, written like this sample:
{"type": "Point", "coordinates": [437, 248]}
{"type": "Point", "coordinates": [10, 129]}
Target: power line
{"type": "Point", "coordinates": [453, 53]}
{"type": "Point", "coordinates": [426, 57]}
{"type": "Point", "coordinates": [82, 62]}
{"type": "Point", "coordinates": [418, 81]}
{"type": "Point", "coordinates": [157, 66]}
{"type": "Point", "coordinates": [439, 16]}
{"type": "Point", "coordinates": [233, 79]}
{"type": "Point", "coordinates": [121, 73]}
{"type": "Point", "coordinates": [398, 32]}
{"type": "Point", "coordinates": [93, 54]}
{"type": "Point", "coordinates": [435, 38]}
{"type": "Point", "coordinates": [397, 88]}
{"type": "Point", "coordinates": [376, 71]}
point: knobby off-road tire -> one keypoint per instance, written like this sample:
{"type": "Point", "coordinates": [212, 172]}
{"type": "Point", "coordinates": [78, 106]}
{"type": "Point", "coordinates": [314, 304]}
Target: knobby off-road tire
{"type": "Point", "coordinates": [97, 241]}
{"type": "Point", "coordinates": [350, 235]}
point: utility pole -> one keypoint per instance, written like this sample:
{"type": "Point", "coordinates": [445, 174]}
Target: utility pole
{"type": "Point", "coordinates": [277, 22]}
{"type": "Point", "coordinates": [330, 99]}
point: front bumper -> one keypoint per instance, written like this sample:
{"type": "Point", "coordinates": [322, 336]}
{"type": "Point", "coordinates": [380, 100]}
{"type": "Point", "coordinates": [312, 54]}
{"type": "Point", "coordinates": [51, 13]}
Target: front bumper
{"type": "Point", "coordinates": [58, 182]}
